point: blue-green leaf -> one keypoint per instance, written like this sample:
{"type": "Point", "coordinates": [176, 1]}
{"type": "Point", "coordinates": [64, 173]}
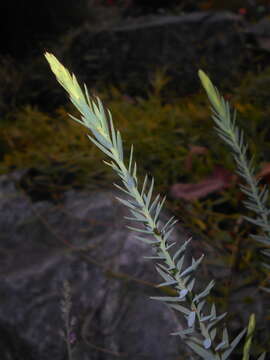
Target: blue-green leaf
{"type": "Point", "coordinates": [207, 343]}
{"type": "Point", "coordinates": [233, 344]}
{"type": "Point", "coordinates": [205, 354]}
{"type": "Point", "coordinates": [179, 308]}
{"type": "Point", "coordinates": [191, 318]}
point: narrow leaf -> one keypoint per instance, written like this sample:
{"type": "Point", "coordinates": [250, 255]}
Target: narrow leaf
{"type": "Point", "coordinates": [207, 343]}
{"type": "Point", "coordinates": [191, 318]}
{"type": "Point", "coordinates": [233, 344]}
{"type": "Point", "coordinates": [205, 354]}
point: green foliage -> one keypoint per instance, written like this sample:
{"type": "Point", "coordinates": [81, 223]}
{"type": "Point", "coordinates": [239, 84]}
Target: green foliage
{"type": "Point", "coordinates": [10, 81]}
{"type": "Point", "coordinates": [255, 88]}
{"type": "Point", "coordinates": [201, 331]}
{"type": "Point", "coordinates": [27, 133]}
{"type": "Point", "coordinates": [232, 136]}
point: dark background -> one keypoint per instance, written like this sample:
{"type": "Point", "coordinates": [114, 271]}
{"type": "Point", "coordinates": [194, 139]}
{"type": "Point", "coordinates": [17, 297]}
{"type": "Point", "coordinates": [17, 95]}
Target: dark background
{"type": "Point", "coordinates": [27, 26]}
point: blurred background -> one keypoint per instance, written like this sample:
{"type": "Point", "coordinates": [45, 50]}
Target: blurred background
{"type": "Point", "coordinates": [137, 55]}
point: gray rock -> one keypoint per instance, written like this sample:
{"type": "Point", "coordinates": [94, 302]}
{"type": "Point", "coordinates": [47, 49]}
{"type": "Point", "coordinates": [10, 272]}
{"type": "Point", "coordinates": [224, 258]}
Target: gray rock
{"type": "Point", "coordinates": [133, 50]}
{"type": "Point", "coordinates": [83, 240]}
{"type": "Point", "coordinates": [262, 27]}
{"type": "Point", "coordinates": [259, 34]}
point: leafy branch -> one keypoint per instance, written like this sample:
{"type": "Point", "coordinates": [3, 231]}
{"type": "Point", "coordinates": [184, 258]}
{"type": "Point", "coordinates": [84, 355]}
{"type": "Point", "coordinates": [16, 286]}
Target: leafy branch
{"type": "Point", "coordinates": [201, 332]}
{"type": "Point", "coordinates": [234, 137]}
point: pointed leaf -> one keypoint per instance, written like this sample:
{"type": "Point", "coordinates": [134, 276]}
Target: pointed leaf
{"type": "Point", "coordinates": [192, 267]}
{"type": "Point", "coordinates": [205, 292]}
{"type": "Point", "coordinates": [233, 344]}
{"type": "Point", "coordinates": [183, 333]}
{"type": "Point", "coordinates": [181, 249]}
{"type": "Point", "coordinates": [154, 203]}
{"type": "Point", "coordinates": [119, 145]}
{"type": "Point", "coordinates": [207, 343]}
{"type": "Point", "coordinates": [101, 147]}
{"type": "Point", "coordinates": [165, 298]}
{"type": "Point", "coordinates": [183, 293]}
{"type": "Point", "coordinates": [139, 230]}
{"type": "Point", "coordinates": [180, 308]}
{"type": "Point", "coordinates": [126, 203]}
{"type": "Point", "coordinates": [205, 354]}
{"type": "Point", "coordinates": [159, 207]}
{"type": "Point", "coordinates": [191, 318]}
{"type": "Point", "coordinates": [220, 346]}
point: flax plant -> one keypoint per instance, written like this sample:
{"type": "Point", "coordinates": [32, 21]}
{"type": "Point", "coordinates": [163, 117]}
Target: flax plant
{"type": "Point", "coordinates": [232, 136]}
{"type": "Point", "coordinates": [203, 332]}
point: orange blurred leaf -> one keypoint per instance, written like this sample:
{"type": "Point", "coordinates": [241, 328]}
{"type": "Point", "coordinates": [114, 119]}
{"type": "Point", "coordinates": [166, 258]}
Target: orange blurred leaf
{"type": "Point", "coordinates": [219, 180]}
{"type": "Point", "coordinates": [206, 5]}
{"type": "Point", "coordinates": [265, 172]}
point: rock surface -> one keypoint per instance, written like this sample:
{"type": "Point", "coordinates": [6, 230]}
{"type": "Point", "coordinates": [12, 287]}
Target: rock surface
{"type": "Point", "coordinates": [133, 50]}
{"type": "Point", "coordinates": [127, 53]}
{"type": "Point", "coordinates": [259, 34]}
